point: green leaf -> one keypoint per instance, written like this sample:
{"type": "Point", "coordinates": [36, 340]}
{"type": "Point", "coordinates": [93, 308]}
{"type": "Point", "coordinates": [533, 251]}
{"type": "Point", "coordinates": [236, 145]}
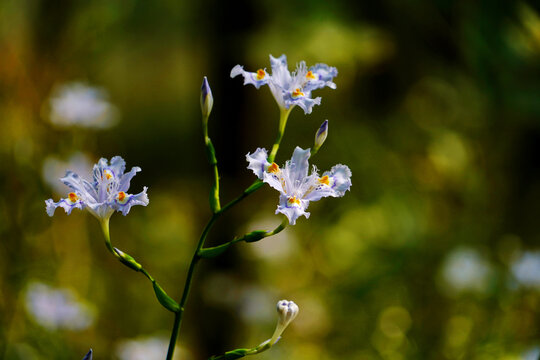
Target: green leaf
{"type": "Point", "coordinates": [253, 187]}
{"type": "Point", "coordinates": [127, 260]}
{"type": "Point", "coordinates": [208, 253]}
{"type": "Point", "coordinates": [255, 236]}
{"type": "Point", "coordinates": [165, 300]}
{"type": "Point", "coordinates": [231, 355]}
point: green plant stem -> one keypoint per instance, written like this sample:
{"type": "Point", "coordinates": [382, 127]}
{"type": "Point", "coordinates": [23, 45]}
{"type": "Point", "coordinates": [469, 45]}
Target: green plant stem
{"type": "Point", "coordinates": [257, 184]}
{"type": "Point", "coordinates": [187, 286]}
{"type": "Point", "coordinates": [214, 193]}
{"type": "Point", "coordinates": [283, 116]}
{"type": "Point", "coordinates": [107, 234]}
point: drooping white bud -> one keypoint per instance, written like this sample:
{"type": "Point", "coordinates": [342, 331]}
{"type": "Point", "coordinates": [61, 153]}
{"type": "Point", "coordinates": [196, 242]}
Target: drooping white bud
{"type": "Point", "coordinates": [287, 311]}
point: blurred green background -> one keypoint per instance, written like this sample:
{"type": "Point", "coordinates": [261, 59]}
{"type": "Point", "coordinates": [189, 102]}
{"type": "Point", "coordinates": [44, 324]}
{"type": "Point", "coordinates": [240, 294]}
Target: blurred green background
{"type": "Point", "coordinates": [434, 254]}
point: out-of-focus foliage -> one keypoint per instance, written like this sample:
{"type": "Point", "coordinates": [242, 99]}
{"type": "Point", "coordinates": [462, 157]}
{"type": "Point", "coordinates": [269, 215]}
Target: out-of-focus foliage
{"type": "Point", "coordinates": [432, 255]}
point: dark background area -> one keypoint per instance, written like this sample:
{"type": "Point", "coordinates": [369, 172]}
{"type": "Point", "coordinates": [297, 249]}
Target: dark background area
{"type": "Point", "coordinates": [434, 254]}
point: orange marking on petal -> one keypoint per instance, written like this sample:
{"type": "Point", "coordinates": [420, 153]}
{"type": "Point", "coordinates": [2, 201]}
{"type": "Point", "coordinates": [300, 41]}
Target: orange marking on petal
{"type": "Point", "coordinates": [121, 196]}
{"type": "Point", "coordinates": [274, 168]}
{"type": "Point", "coordinates": [310, 75]}
{"type": "Point", "coordinates": [108, 174]}
{"type": "Point", "coordinates": [325, 180]}
{"type": "Point", "coordinates": [293, 200]}
{"type": "Point", "coordinates": [73, 197]}
{"type": "Point", "coordinates": [297, 93]}
{"type": "Point", "coordinates": [260, 74]}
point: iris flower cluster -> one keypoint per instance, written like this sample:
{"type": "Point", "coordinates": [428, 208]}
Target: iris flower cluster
{"type": "Point", "coordinates": [297, 184]}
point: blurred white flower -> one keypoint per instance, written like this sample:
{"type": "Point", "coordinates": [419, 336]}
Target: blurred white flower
{"type": "Point", "coordinates": [464, 269]}
{"type": "Point", "coordinates": [54, 168]}
{"type": "Point", "coordinates": [148, 348]}
{"type": "Point", "coordinates": [531, 354]}
{"type": "Point", "coordinates": [526, 269]}
{"type": "Point", "coordinates": [77, 104]}
{"type": "Point", "coordinates": [57, 308]}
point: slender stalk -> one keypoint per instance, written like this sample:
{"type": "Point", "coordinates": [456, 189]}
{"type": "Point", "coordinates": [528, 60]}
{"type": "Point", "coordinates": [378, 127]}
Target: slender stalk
{"type": "Point", "coordinates": [284, 115]}
{"type": "Point", "coordinates": [211, 153]}
{"type": "Point", "coordinates": [187, 286]}
{"type": "Point", "coordinates": [106, 233]}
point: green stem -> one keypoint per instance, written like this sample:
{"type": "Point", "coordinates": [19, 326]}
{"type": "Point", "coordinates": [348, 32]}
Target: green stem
{"type": "Point", "coordinates": [106, 233]}
{"type": "Point", "coordinates": [257, 184]}
{"type": "Point", "coordinates": [283, 116]}
{"type": "Point", "coordinates": [211, 153]}
{"type": "Point", "coordinates": [187, 286]}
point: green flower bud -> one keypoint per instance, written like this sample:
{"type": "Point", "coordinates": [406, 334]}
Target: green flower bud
{"type": "Point", "coordinates": [164, 299]}
{"type": "Point", "coordinates": [207, 100]}
{"type": "Point", "coordinates": [127, 260]}
{"type": "Point", "coordinates": [321, 135]}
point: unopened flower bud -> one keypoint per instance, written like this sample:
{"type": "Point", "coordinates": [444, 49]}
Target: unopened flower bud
{"type": "Point", "coordinates": [321, 135]}
{"type": "Point", "coordinates": [128, 260]}
{"type": "Point", "coordinates": [207, 100]}
{"type": "Point", "coordinates": [88, 356]}
{"type": "Point", "coordinates": [287, 311]}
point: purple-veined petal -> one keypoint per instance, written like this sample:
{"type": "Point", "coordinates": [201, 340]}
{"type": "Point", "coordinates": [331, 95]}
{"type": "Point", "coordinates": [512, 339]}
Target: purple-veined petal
{"type": "Point", "coordinates": [126, 178]}
{"type": "Point", "coordinates": [131, 200]}
{"type": "Point", "coordinates": [298, 167]}
{"type": "Point", "coordinates": [258, 162]}
{"type": "Point", "coordinates": [292, 208]}
{"type": "Point", "coordinates": [50, 206]}
{"type": "Point", "coordinates": [340, 176]}
{"type": "Point", "coordinates": [256, 79]}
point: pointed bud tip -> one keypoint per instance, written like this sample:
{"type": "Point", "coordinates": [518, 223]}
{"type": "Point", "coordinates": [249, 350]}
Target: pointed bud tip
{"type": "Point", "coordinates": [207, 100]}
{"type": "Point", "coordinates": [321, 135]}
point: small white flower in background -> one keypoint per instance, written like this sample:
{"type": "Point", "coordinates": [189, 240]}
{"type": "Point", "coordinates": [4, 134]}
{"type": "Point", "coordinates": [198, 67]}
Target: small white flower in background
{"type": "Point", "coordinates": [54, 168]}
{"type": "Point", "coordinates": [297, 188]}
{"type": "Point", "coordinates": [77, 104]}
{"type": "Point", "coordinates": [57, 308]}
{"type": "Point", "coordinates": [465, 269]}
{"type": "Point", "coordinates": [148, 348]}
{"type": "Point", "coordinates": [287, 311]}
{"type": "Point", "coordinates": [531, 354]}
{"type": "Point", "coordinates": [526, 269]}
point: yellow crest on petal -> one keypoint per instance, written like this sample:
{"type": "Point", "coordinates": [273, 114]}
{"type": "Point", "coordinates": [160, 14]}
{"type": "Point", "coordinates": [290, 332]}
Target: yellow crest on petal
{"type": "Point", "coordinates": [73, 197]}
{"type": "Point", "coordinates": [274, 168]}
{"type": "Point", "coordinates": [297, 93]}
{"type": "Point", "coordinates": [310, 75]}
{"type": "Point", "coordinates": [122, 197]}
{"type": "Point", "coordinates": [325, 180]}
